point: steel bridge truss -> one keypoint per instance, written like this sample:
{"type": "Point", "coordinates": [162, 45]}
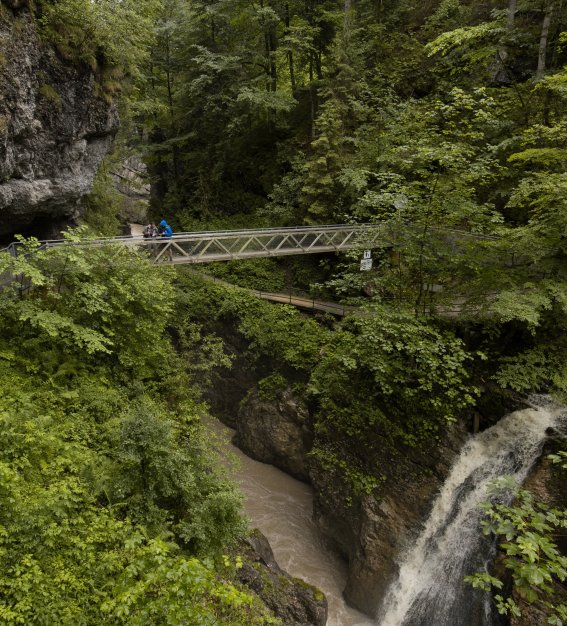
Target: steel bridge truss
{"type": "Point", "coordinates": [207, 247]}
{"type": "Point", "coordinates": [248, 244]}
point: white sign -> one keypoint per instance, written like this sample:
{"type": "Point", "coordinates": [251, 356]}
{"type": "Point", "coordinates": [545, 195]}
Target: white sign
{"type": "Point", "coordinates": [367, 254]}
{"type": "Point", "coordinates": [365, 265]}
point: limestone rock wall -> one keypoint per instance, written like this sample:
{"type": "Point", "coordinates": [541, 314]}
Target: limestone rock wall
{"type": "Point", "coordinates": [55, 129]}
{"type": "Point", "coordinates": [370, 531]}
{"type": "Point", "coordinates": [276, 432]}
{"type": "Point", "coordinates": [373, 530]}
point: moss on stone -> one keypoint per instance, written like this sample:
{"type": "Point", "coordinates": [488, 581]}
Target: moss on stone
{"type": "Point", "coordinates": [318, 595]}
{"type": "Point", "coordinates": [50, 93]}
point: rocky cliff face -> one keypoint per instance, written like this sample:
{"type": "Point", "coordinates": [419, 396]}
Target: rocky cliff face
{"type": "Point", "coordinates": [276, 432]}
{"type": "Point", "coordinates": [369, 530]}
{"type": "Point", "coordinates": [373, 530]}
{"type": "Point", "coordinates": [54, 129]}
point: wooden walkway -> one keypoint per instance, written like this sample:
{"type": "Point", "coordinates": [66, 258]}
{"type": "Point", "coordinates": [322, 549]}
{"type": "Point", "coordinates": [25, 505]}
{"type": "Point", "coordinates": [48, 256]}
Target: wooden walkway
{"type": "Point", "coordinates": [301, 302]}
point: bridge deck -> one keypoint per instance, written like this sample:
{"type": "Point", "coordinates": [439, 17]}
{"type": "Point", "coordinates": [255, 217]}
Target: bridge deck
{"type": "Point", "coordinates": [211, 246]}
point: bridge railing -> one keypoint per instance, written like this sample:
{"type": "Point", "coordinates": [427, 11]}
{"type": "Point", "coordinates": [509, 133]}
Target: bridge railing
{"type": "Point", "coordinates": [246, 244]}
{"type": "Point", "coordinates": [209, 246]}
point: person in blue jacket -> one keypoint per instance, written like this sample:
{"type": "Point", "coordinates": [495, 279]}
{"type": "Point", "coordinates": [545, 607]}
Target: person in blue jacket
{"type": "Point", "coordinates": [166, 231]}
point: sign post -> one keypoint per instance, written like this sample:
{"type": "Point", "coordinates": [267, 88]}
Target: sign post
{"type": "Point", "coordinates": [366, 261]}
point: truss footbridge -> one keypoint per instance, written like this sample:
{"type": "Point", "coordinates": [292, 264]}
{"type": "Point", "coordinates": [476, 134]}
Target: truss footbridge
{"type": "Point", "coordinates": [226, 245]}
{"type": "Point", "coordinates": [206, 247]}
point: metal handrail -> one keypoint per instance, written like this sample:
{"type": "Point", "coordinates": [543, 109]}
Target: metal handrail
{"type": "Point", "coordinates": [192, 235]}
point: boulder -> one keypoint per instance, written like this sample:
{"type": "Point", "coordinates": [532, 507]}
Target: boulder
{"type": "Point", "coordinates": [293, 600]}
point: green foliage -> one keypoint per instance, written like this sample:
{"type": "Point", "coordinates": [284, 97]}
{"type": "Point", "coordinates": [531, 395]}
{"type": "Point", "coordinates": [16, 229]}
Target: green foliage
{"type": "Point", "coordinates": [543, 157]}
{"type": "Point", "coordinates": [448, 41]}
{"type": "Point", "coordinates": [103, 205]}
{"type": "Point", "coordinates": [112, 506]}
{"type": "Point", "coordinates": [71, 301]}
{"type": "Point", "coordinates": [278, 332]}
{"type": "Point", "coordinates": [50, 93]}
{"type": "Point", "coordinates": [102, 32]}
{"type": "Point", "coordinates": [344, 467]}
{"type": "Point", "coordinates": [389, 375]}
{"type": "Point", "coordinates": [532, 557]}
{"type": "Point", "coordinates": [271, 387]}
{"type": "Point", "coordinates": [382, 379]}
{"type": "Point", "coordinates": [262, 274]}
{"type": "Point", "coordinates": [175, 591]}
{"type": "Point", "coordinates": [320, 189]}
{"type": "Point", "coordinates": [560, 459]}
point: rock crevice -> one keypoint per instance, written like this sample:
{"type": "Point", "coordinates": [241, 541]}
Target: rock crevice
{"type": "Point", "coordinates": [370, 530]}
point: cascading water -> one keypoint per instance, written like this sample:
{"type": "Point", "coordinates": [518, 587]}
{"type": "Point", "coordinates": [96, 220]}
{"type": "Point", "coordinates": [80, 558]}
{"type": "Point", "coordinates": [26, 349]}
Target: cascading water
{"type": "Point", "coordinates": [430, 590]}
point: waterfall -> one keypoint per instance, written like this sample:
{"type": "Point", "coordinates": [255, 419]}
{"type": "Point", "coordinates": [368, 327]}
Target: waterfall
{"type": "Point", "coordinates": [430, 589]}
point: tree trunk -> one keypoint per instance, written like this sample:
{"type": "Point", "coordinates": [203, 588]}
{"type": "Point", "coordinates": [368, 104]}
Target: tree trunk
{"type": "Point", "coordinates": [273, 41]}
{"type": "Point", "coordinates": [270, 45]}
{"type": "Point", "coordinates": [501, 73]}
{"type": "Point", "coordinates": [319, 62]}
{"type": "Point", "coordinates": [289, 52]}
{"type": "Point", "coordinates": [169, 79]}
{"type": "Point", "coordinates": [543, 39]}
{"type": "Point", "coordinates": [346, 23]}
{"type": "Point", "coordinates": [312, 111]}
{"type": "Point", "coordinates": [511, 15]}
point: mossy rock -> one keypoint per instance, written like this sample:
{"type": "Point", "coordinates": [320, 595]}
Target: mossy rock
{"type": "Point", "coordinates": [294, 601]}
{"type": "Point", "coordinates": [50, 93]}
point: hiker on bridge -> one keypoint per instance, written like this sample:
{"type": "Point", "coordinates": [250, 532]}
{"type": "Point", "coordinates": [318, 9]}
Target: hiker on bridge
{"type": "Point", "coordinates": [150, 231]}
{"type": "Point", "coordinates": [166, 232]}
{"type": "Point", "coordinates": [165, 229]}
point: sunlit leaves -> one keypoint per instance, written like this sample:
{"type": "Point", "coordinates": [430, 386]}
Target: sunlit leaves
{"type": "Point", "coordinates": [448, 41]}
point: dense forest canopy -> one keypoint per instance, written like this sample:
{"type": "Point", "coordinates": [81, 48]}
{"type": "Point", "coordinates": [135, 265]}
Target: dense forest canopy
{"type": "Point", "coordinates": [432, 114]}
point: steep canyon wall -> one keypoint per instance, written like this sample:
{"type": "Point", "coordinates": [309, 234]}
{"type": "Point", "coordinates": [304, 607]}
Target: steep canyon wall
{"type": "Point", "coordinates": [369, 530]}
{"type": "Point", "coordinates": [55, 128]}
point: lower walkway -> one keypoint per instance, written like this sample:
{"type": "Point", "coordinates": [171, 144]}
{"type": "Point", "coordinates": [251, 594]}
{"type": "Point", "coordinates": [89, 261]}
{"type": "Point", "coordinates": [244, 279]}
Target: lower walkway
{"type": "Point", "coordinates": [340, 310]}
{"type": "Point", "coordinates": [300, 302]}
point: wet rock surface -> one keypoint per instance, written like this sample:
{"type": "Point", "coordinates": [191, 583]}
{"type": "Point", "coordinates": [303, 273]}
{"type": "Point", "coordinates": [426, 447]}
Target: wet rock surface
{"type": "Point", "coordinates": [370, 531]}
{"type": "Point", "coordinates": [373, 530]}
{"type": "Point", "coordinates": [54, 129]}
{"type": "Point", "coordinates": [276, 432]}
{"type": "Point", "coordinates": [294, 601]}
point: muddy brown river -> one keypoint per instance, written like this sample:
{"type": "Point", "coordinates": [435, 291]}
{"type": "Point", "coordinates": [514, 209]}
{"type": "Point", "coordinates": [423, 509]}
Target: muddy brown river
{"type": "Point", "coordinates": [281, 507]}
